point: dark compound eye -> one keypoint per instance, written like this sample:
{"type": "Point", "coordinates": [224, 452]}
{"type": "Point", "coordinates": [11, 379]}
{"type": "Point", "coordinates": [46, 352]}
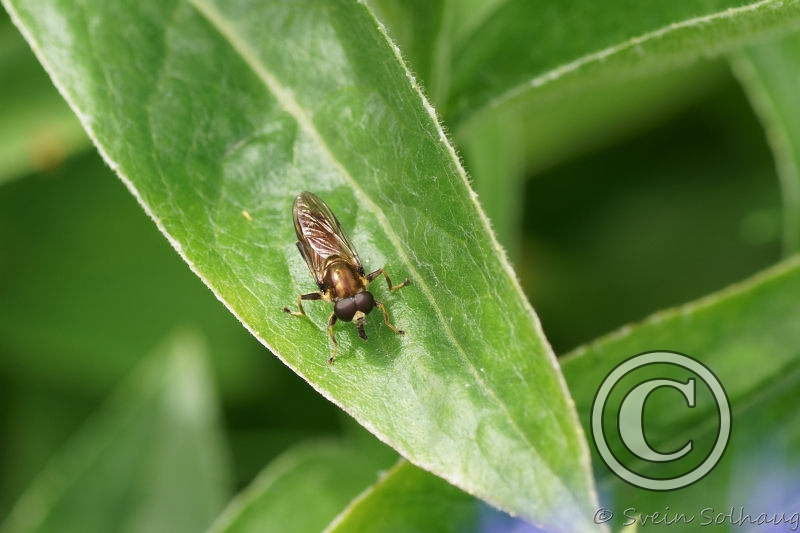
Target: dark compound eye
{"type": "Point", "coordinates": [345, 309]}
{"type": "Point", "coordinates": [364, 301]}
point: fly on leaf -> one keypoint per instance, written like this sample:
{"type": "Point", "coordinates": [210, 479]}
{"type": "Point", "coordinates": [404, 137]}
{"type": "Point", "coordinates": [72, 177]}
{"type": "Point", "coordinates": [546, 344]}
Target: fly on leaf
{"type": "Point", "coordinates": [334, 263]}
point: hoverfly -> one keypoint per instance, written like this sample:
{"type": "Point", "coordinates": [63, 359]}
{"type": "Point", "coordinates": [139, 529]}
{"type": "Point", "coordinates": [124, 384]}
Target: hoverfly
{"type": "Point", "coordinates": [334, 262]}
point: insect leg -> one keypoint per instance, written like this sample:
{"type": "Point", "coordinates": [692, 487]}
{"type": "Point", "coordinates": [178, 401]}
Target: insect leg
{"type": "Point", "coordinates": [331, 322]}
{"type": "Point", "coordinates": [386, 318]}
{"type": "Point", "coordinates": [380, 271]}
{"type": "Point", "coordinates": [309, 296]}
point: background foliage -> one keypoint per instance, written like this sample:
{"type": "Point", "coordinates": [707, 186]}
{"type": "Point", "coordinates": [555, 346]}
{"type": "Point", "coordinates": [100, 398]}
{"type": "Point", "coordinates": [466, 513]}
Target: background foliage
{"type": "Point", "coordinates": [629, 159]}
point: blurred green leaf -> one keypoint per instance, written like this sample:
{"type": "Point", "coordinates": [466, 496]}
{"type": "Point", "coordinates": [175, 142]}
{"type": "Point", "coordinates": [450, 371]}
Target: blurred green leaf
{"type": "Point", "coordinates": [87, 286]}
{"type": "Point", "coordinates": [670, 216]}
{"type": "Point", "coordinates": [543, 133]}
{"type": "Point", "coordinates": [518, 47]}
{"type": "Point", "coordinates": [38, 130]}
{"type": "Point", "coordinates": [504, 148]}
{"type": "Point", "coordinates": [770, 73]}
{"type": "Point", "coordinates": [409, 499]}
{"type": "Point", "coordinates": [222, 114]}
{"type": "Point", "coordinates": [36, 422]}
{"type": "Point", "coordinates": [305, 488]}
{"type": "Point", "coordinates": [748, 336]}
{"type": "Point", "coordinates": [152, 459]}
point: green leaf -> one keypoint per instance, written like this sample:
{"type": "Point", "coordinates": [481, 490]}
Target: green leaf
{"type": "Point", "coordinates": [748, 336]}
{"type": "Point", "coordinates": [38, 129]}
{"type": "Point", "coordinates": [305, 488]}
{"type": "Point", "coordinates": [150, 460]}
{"type": "Point", "coordinates": [770, 73]}
{"type": "Point", "coordinates": [216, 115]}
{"type": "Point", "coordinates": [517, 47]}
{"type": "Point", "coordinates": [409, 499]}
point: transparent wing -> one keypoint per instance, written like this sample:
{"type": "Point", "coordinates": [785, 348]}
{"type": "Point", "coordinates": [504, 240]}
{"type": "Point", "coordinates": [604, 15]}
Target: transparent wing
{"type": "Point", "coordinates": [319, 235]}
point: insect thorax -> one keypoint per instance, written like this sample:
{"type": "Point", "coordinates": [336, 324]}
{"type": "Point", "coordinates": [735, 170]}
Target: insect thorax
{"type": "Point", "coordinates": [342, 280]}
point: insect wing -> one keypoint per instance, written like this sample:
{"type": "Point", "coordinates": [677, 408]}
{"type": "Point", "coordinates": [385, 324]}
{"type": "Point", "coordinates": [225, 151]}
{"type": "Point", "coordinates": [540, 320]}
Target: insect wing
{"type": "Point", "coordinates": [319, 235]}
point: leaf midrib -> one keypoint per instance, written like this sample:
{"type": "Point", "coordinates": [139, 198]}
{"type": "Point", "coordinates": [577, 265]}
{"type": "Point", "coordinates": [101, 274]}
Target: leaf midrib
{"type": "Point", "coordinates": [284, 97]}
